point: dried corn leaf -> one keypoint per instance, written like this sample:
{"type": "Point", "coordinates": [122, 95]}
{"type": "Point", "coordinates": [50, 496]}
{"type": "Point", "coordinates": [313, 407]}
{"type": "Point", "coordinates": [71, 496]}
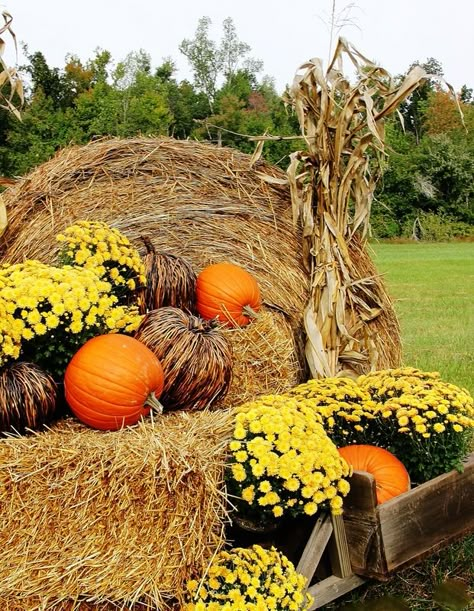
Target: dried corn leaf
{"type": "Point", "coordinates": [331, 185]}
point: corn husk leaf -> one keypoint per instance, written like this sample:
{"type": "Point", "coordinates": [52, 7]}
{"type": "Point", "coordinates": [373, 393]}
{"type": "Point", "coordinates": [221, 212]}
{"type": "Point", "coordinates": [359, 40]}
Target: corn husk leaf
{"type": "Point", "coordinates": [332, 183]}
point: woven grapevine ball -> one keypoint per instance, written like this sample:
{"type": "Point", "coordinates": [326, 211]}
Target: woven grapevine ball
{"type": "Point", "coordinates": [390, 474]}
{"type": "Point", "coordinates": [28, 397]}
{"type": "Point", "coordinates": [170, 281]}
{"type": "Point", "coordinates": [113, 381]}
{"type": "Point", "coordinates": [195, 355]}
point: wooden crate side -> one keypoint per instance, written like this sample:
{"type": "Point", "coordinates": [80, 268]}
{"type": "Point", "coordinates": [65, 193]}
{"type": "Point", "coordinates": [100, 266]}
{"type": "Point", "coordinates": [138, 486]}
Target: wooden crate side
{"type": "Point", "coordinates": [362, 526]}
{"type": "Point", "coordinates": [332, 588]}
{"type": "Point", "coordinates": [339, 549]}
{"type": "Point", "coordinates": [428, 517]}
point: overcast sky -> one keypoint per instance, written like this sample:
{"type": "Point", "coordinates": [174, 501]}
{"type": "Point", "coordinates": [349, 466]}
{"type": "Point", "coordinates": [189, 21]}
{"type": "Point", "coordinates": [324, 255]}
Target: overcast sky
{"type": "Point", "coordinates": [283, 34]}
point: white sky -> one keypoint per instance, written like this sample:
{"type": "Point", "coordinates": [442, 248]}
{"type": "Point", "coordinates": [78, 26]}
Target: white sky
{"type": "Point", "coordinates": [283, 34]}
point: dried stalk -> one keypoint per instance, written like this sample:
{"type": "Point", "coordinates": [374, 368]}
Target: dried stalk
{"type": "Point", "coordinates": [332, 184]}
{"type": "Point", "coordinates": [10, 86]}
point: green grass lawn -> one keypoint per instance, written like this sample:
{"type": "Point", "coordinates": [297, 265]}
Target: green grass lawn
{"type": "Point", "coordinates": [432, 286]}
{"type": "Point", "coordinates": [433, 289]}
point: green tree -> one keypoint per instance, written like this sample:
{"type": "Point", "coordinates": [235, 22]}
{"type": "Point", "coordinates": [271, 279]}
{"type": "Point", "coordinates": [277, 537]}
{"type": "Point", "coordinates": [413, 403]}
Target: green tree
{"type": "Point", "coordinates": [43, 130]}
{"type": "Point", "coordinates": [202, 55]}
{"type": "Point", "coordinates": [412, 110]}
{"type": "Point", "coordinates": [45, 79]}
{"type": "Point", "coordinates": [100, 66]}
{"type": "Point", "coordinates": [186, 105]}
{"type": "Point", "coordinates": [97, 112]}
{"type": "Point", "coordinates": [211, 62]}
{"type": "Point", "coordinates": [233, 54]}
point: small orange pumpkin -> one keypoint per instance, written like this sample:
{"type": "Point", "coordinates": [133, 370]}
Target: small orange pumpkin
{"type": "Point", "coordinates": [391, 477]}
{"type": "Point", "coordinates": [112, 381]}
{"type": "Point", "coordinates": [227, 292]}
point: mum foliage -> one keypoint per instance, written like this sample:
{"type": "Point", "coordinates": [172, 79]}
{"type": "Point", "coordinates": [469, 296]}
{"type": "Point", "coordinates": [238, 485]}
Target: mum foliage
{"type": "Point", "coordinates": [283, 462]}
{"type": "Point", "coordinates": [49, 312]}
{"type": "Point", "coordinates": [249, 579]}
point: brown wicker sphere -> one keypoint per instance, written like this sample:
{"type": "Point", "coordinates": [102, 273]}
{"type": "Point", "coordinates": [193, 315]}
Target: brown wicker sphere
{"type": "Point", "coordinates": [170, 281]}
{"type": "Point", "coordinates": [28, 397]}
{"type": "Point", "coordinates": [195, 355]}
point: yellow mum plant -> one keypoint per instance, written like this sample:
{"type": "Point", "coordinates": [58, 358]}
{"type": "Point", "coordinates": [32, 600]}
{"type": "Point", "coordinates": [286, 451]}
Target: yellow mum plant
{"type": "Point", "coordinates": [249, 579]}
{"type": "Point", "coordinates": [49, 312]}
{"type": "Point", "coordinates": [426, 422]}
{"type": "Point", "coordinates": [106, 251]}
{"type": "Point", "coordinates": [344, 408]}
{"type": "Point", "coordinates": [282, 462]}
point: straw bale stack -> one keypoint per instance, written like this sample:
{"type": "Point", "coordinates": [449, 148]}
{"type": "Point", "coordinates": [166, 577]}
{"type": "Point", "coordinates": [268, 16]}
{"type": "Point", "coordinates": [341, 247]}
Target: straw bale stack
{"type": "Point", "coordinates": [267, 358]}
{"type": "Point", "coordinates": [123, 516]}
{"type": "Point", "coordinates": [194, 200]}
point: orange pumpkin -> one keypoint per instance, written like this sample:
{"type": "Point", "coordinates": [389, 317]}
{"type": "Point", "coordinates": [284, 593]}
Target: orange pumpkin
{"type": "Point", "coordinates": [227, 292]}
{"type": "Point", "coordinates": [391, 477]}
{"type": "Point", "coordinates": [112, 381]}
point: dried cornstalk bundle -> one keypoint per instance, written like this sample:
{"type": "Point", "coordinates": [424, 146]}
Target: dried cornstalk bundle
{"type": "Point", "coordinates": [10, 83]}
{"type": "Point", "coordinates": [11, 92]}
{"type": "Point", "coordinates": [195, 355]}
{"type": "Point", "coordinates": [332, 184]}
{"type": "Point", "coordinates": [28, 397]}
{"type": "Point", "coordinates": [170, 281]}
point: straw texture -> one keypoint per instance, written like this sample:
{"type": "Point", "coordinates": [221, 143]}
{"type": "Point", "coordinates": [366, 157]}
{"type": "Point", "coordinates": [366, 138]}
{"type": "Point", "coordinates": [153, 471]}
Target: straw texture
{"type": "Point", "coordinates": [124, 516]}
{"type": "Point", "coordinates": [265, 358]}
{"type": "Point", "coordinates": [194, 200]}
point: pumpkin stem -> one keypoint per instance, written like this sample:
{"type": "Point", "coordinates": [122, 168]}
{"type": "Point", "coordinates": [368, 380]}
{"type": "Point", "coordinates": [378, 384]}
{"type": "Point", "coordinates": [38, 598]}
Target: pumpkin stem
{"type": "Point", "coordinates": [153, 402]}
{"type": "Point", "coordinates": [148, 245]}
{"type": "Point", "coordinates": [250, 312]}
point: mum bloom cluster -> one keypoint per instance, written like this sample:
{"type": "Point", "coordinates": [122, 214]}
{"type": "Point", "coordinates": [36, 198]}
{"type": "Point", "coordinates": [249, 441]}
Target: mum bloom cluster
{"type": "Point", "coordinates": [249, 579]}
{"type": "Point", "coordinates": [44, 302]}
{"type": "Point", "coordinates": [105, 250]}
{"type": "Point", "coordinates": [340, 404]}
{"type": "Point", "coordinates": [283, 462]}
{"type": "Point", "coordinates": [420, 401]}
{"type": "Point", "coordinates": [426, 422]}
{"type": "Point", "coordinates": [423, 420]}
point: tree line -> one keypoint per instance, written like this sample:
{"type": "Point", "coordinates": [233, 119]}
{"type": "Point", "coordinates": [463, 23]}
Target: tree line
{"type": "Point", "coordinates": [428, 183]}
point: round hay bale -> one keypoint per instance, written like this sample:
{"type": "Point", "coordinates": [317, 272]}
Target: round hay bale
{"type": "Point", "coordinates": [194, 200]}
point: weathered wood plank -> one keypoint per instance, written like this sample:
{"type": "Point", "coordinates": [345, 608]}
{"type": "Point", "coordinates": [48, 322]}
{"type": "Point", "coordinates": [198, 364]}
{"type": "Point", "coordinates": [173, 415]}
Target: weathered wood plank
{"type": "Point", "coordinates": [363, 493]}
{"type": "Point", "coordinates": [331, 588]}
{"type": "Point", "coordinates": [362, 524]}
{"type": "Point", "coordinates": [428, 516]}
{"type": "Point", "coordinates": [315, 546]}
{"type": "Point", "coordinates": [339, 549]}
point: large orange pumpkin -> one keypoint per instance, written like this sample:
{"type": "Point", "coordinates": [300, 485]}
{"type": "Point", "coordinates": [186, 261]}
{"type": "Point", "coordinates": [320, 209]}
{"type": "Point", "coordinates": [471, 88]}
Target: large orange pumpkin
{"type": "Point", "coordinates": [112, 381]}
{"type": "Point", "coordinates": [391, 477]}
{"type": "Point", "coordinates": [227, 292]}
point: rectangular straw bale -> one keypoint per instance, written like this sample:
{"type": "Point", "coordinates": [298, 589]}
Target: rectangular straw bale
{"type": "Point", "coordinates": [122, 516]}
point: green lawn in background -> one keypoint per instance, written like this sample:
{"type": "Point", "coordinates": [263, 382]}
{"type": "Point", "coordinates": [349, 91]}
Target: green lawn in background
{"type": "Point", "coordinates": [432, 285]}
